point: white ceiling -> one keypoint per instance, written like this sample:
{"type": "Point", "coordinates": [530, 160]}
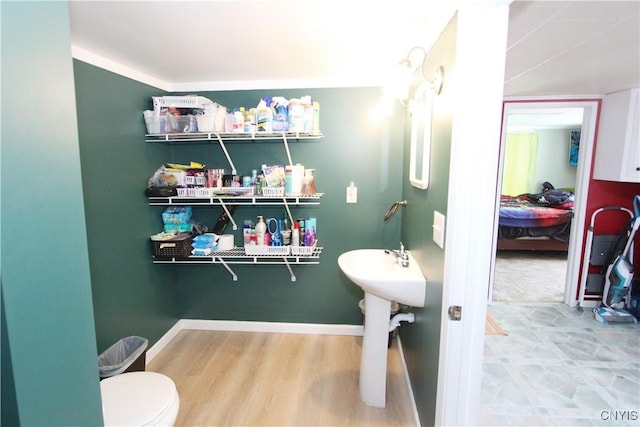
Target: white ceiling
{"type": "Point", "coordinates": [554, 47]}
{"type": "Point", "coordinates": [572, 47]}
{"type": "Point", "coordinates": [231, 44]}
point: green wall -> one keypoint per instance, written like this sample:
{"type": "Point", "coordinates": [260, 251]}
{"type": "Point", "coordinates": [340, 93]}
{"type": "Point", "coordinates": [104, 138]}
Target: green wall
{"type": "Point", "coordinates": [47, 314]}
{"type": "Point", "coordinates": [421, 340]}
{"type": "Point", "coordinates": [131, 296]}
{"type": "Point", "coordinates": [134, 296]}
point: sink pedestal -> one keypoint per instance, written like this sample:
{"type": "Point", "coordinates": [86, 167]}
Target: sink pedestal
{"type": "Point", "coordinates": [373, 365]}
{"type": "Point", "coordinates": [383, 280]}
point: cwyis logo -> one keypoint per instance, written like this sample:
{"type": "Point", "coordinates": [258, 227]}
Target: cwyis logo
{"type": "Point", "coordinates": [615, 415]}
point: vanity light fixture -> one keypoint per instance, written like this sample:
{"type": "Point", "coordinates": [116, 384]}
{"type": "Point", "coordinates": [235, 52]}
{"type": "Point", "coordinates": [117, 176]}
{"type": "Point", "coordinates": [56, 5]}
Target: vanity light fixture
{"type": "Point", "coordinates": [406, 67]}
{"type": "Point", "coordinates": [400, 79]}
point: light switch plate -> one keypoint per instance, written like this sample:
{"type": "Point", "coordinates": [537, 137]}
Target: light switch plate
{"type": "Point", "coordinates": [352, 194]}
{"type": "Point", "coordinates": [438, 228]}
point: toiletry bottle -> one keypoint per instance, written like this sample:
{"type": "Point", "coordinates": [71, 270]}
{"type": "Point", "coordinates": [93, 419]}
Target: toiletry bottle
{"type": "Point", "coordinates": [297, 176]}
{"type": "Point", "coordinates": [250, 121]}
{"type": "Point", "coordinates": [228, 122]}
{"type": "Point", "coordinates": [307, 114]}
{"type": "Point", "coordinates": [262, 185]}
{"type": "Point", "coordinates": [316, 117]}
{"type": "Point", "coordinates": [288, 180]}
{"type": "Point", "coordinates": [264, 116]}
{"type": "Point", "coordinates": [254, 181]}
{"type": "Point", "coordinates": [296, 115]}
{"type": "Point", "coordinates": [295, 235]}
{"type": "Point", "coordinates": [309, 184]}
{"type": "Point", "coordinates": [238, 121]}
{"type": "Point", "coordinates": [301, 231]}
{"type": "Point", "coordinates": [285, 230]}
{"type": "Point", "coordinates": [306, 186]}
{"type": "Point", "coordinates": [308, 240]}
{"type": "Point", "coordinates": [280, 114]}
{"type": "Point", "coordinates": [261, 229]}
{"type": "Point", "coordinates": [310, 232]}
{"type": "Point", "coordinates": [246, 232]}
{"type": "Point", "coordinates": [263, 179]}
{"type": "Point", "coordinates": [253, 239]}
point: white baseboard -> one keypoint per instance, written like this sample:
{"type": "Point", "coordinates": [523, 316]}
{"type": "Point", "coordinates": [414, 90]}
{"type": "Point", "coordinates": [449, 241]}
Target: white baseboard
{"type": "Point", "coordinates": [245, 326]}
{"type": "Point", "coordinates": [405, 372]}
{"type": "Point", "coordinates": [155, 349]}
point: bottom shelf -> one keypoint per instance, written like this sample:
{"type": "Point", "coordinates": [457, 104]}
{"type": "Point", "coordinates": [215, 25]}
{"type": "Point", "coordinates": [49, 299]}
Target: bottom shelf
{"type": "Point", "coordinates": [238, 256]}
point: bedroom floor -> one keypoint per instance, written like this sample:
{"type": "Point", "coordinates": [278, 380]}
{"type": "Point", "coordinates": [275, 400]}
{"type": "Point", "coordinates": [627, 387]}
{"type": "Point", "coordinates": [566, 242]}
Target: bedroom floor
{"type": "Point", "coordinates": [529, 276]}
{"type": "Point", "coordinates": [559, 367]}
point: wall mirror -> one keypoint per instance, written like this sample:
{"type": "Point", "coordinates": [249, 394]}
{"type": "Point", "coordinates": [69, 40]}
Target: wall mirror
{"type": "Point", "coordinates": [420, 154]}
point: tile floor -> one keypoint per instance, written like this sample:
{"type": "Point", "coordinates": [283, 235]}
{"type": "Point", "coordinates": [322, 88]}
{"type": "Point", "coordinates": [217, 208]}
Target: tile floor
{"type": "Point", "coordinates": [559, 367]}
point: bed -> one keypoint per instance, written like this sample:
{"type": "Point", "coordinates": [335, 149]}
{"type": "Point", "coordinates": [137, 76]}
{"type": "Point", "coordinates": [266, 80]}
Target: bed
{"type": "Point", "coordinates": [526, 225]}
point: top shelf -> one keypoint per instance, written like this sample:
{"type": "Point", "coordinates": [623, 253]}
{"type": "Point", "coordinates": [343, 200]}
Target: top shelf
{"type": "Point", "coordinates": [217, 136]}
{"type": "Point", "coordinates": [312, 199]}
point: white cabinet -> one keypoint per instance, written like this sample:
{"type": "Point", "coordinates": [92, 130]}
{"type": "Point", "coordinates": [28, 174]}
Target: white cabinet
{"type": "Point", "coordinates": [618, 148]}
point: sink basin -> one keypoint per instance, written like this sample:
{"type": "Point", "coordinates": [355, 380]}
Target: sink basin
{"type": "Point", "coordinates": [378, 273]}
{"type": "Point", "coordinates": [383, 280]}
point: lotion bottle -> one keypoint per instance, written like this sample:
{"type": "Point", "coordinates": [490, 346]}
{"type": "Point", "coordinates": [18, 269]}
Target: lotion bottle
{"type": "Point", "coordinates": [261, 229]}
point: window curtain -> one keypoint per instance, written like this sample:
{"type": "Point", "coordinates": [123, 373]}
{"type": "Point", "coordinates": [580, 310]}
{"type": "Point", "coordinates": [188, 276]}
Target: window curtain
{"type": "Point", "coordinates": [520, 158]}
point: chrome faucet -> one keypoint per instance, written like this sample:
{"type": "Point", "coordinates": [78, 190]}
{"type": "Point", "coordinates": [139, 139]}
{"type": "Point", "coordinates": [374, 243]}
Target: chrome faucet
{"type": "Point", "coordinates": [402, 256]}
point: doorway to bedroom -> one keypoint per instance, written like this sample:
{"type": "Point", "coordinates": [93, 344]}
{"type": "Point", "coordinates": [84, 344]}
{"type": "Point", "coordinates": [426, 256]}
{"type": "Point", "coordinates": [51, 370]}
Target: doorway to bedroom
{"type": "Point", "coordinates": [533, 239]}
{"type": "Point", "coordinates": [540, 156]}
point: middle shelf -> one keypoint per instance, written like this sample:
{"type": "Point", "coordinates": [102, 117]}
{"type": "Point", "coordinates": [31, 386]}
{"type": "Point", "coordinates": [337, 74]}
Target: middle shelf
{"type": "Point", "coordinates": [239, 200]}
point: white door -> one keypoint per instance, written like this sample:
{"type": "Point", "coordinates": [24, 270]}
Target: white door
{"type": "Point", "coordinates": [477, 110]}
{"type": "Point", "coordinates": [470, 236]}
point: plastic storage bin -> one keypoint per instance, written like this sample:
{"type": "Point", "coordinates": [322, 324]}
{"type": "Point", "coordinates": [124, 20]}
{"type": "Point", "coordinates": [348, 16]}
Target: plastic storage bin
{"type": "Point", "coordinates": [156, 124]}
{"type": "Point", "coordinates": [206, 122]}
{"type": "Point", "coordinates": [126, 355]}
{"type": "Point", "coordinates": [178, 247]}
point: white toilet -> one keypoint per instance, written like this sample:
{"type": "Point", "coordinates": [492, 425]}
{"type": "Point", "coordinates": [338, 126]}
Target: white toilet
{"type": "Point", "coordinates": [139, 399]}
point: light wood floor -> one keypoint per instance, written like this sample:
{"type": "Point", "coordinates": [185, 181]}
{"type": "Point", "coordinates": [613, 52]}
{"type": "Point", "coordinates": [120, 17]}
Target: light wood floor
{"type": "Point", "coordinates": [271, 379]}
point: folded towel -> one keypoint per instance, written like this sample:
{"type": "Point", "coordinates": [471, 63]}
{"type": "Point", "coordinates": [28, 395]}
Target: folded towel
{"type": "Point", "coordinates": [207, 237]}
{"type": "Point", "coordinates": [202, 252]}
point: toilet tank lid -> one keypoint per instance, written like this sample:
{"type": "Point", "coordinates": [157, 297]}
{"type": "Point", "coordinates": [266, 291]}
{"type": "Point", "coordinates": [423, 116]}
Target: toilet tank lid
{"type": "Point", "coordinates": [135, 398]}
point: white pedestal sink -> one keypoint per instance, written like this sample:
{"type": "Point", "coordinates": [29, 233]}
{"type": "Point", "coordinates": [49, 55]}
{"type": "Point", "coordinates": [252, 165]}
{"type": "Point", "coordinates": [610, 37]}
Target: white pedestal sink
{"type": "Point", "coordinates": [383, 280]}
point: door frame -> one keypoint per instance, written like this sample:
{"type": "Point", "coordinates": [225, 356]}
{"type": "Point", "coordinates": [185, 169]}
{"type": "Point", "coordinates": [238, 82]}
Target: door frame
{"type": "Point", "coordinates": [590, 108]}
